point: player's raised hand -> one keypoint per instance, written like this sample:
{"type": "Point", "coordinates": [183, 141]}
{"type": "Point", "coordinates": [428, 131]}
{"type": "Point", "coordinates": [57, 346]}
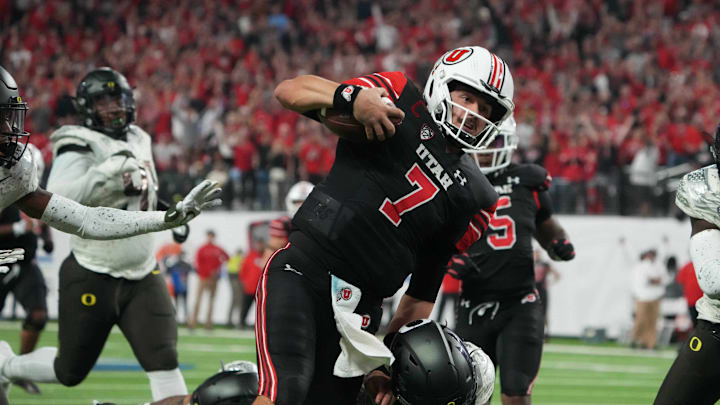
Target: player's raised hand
{"type": "Point", "coordinates": [375, 114]}
{"type": "Point", "coordinates": [204, 195]}
{"type": "Point", "coordinates": [462, 267]}
{"type": "Point", "coordinates": [561, 249]}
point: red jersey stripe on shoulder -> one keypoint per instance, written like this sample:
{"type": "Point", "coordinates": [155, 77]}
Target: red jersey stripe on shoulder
{"type": "Point", "coordinates": [397, 80]}
{"type": "Point", "coordinates": [360, 81]}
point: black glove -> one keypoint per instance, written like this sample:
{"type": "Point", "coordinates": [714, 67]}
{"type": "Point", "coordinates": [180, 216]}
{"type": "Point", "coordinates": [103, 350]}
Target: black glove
{"type": "Point", "coordinates": [462, 267]}
{"type": "Point", "coordinates": [561, 249]}
{"type": "Point", "coordinates": [181, 233]}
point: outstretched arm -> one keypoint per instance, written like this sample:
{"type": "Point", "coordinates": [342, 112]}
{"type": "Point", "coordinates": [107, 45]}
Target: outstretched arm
{"type": "Point", "coordinates": [108, 223]}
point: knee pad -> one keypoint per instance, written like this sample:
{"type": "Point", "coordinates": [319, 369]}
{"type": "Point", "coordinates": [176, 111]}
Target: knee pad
{"type": "Point", "coordinates": [35, 321]}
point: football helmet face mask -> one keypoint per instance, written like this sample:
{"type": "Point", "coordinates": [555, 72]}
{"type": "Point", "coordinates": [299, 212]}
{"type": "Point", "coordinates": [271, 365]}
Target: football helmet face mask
{"type": "Point", "coordinates": [432, 366]}
{"type": "Point", "coordinates": [13, 137]}
{"type": "Point", "coordinates": [296, 196]}
{"type": "Point", "coordinates": [105, 102]}
{"type": "Point", "coordinates": [487, 75]}
{"type": "Point", "coordinates": [499, 153]}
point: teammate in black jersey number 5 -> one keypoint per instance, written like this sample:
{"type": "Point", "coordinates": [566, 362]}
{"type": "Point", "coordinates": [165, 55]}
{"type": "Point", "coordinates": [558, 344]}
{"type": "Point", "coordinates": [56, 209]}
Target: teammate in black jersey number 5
{"type": "Point", "coordinates": [399, 206]}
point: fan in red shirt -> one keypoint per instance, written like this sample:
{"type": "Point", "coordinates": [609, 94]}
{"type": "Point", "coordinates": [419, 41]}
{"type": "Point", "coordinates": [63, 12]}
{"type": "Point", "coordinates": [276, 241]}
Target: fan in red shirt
{"type": "Point", "coordinates": [250, 271]}
{"type": "Point", "coordinates": [691, 289]}
{"type": "Point", "coordinates": [208, 260]}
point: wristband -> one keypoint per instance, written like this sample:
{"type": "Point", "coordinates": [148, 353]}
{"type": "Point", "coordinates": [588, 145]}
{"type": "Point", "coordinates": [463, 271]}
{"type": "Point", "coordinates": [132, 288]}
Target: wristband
{"type": "Point", "coordinates": [344, 97]}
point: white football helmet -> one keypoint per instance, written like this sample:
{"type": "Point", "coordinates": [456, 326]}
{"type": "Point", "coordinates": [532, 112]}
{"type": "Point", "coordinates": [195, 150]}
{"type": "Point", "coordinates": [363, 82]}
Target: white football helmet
{"type": "Point", "coordinates": [484, 373]}
{"type": "Point", "coordinates": [296, 196]}
{"type": "Point", "coordinates": [482, 70]}
{"type": "Point", "coordinates": [499, 153]}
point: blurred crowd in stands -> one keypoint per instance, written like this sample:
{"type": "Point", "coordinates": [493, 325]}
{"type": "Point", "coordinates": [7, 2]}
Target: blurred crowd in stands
{"type": "Point", "coordinates": [611, 95]}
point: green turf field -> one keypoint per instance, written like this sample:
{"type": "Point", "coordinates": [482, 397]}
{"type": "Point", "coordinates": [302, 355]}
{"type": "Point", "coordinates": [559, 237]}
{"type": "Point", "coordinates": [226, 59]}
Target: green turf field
{"type": "Point", "coordinates": [571, 373]}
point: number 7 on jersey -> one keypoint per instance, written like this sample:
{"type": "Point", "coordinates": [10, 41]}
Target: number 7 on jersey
{"type": "Point", "coordinates": [425, 191]}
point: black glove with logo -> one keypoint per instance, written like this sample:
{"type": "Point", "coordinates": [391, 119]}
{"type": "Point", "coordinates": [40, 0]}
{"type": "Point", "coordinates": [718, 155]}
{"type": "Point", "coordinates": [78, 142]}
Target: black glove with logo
{"type": "Point", "coordinates": [462, 267]}
{"type": "Point", "coordinates": [561, 249]}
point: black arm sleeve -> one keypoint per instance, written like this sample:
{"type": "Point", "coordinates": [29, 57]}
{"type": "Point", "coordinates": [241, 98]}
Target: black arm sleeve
{"type": "Point", "coordinates": [545, 210]}
{"type": "Point", "coordinates": [427, 278]}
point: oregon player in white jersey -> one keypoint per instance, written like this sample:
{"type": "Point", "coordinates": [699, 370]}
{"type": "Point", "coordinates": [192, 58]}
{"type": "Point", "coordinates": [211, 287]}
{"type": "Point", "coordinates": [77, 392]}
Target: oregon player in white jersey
{"type": "Point", "coordinates": [693, 377]}
{"type": "Point", "coordinates": [91, 302]}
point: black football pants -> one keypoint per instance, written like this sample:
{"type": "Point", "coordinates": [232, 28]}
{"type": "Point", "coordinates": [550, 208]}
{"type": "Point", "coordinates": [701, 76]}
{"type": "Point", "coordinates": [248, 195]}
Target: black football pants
{"type": "Point", "coordinates": [694, 376]}
{"type": "Point", "coordinates": [296, 337]}
{"type": "Point", "coordinates": [91, 303]}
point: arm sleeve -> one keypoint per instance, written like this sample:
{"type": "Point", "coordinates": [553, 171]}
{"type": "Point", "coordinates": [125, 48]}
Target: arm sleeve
{"type": "Point", "coordinates": [544, 204]}
{"type": "Point", "coordinates": [74, 176]}
{"type": "Point", "coordinates": [426, 280]}
{"type": "Point", "coordinates": [100, 222]}
{"type": "Point", "coordinates": [476, 229]}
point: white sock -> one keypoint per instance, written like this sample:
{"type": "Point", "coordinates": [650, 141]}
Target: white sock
{"type": "Point", "coordinates": [36, 366]}
{"type": "Point", "coordinates": [166, 383]}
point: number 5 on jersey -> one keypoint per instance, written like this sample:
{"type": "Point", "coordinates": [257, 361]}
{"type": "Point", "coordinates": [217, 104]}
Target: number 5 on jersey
{"type": "Point", "coordinates": [425, 192]}
{"type": "Point", "coordinates": [502, 224]}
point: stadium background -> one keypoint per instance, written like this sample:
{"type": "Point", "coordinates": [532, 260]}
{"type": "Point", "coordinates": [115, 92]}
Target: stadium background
{"type": "Point", "coordinates": [612, 97]}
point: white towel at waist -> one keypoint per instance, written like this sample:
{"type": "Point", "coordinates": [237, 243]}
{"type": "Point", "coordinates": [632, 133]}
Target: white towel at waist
{"type": "Point", "coordinates": [360, 351]}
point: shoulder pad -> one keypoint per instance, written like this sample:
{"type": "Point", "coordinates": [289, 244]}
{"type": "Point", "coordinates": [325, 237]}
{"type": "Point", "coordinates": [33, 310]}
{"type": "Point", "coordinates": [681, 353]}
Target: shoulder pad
{"type": "Point", "coordinates": [483, 192]}
{"type": "Point", "coordinates": [531, 175]}
{"type": "Point", "coordinates": [132, 128]}
{"type": "Point", "coordinates": [698, 194]}
{"type": "Point", "coordinates": [67, 135]}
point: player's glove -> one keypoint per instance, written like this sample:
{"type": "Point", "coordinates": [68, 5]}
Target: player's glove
{"type": "Point", "coordinates": [203, 196]}
{"type": "Point", "coordinates": [48, 246]}
{"type": "Point", "coordinates": [462, 267]}
{"type": "Point", "coordinates": [10, 256]}
{"type": "Point", "coordinates": [181, 233]}
{"type": "Point", "coordinates": [561, 249]}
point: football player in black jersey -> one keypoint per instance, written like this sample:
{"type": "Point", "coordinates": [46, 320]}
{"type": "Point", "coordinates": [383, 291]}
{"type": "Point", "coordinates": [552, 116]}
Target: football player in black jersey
{"type": "Point", "coordinates": [401, 203]}
{"type": "Point", "coordinates": [499, 308]}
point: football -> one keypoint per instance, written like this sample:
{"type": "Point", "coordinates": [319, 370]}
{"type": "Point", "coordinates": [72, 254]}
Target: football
{"type": "Point", "coordinates": [345, 125]}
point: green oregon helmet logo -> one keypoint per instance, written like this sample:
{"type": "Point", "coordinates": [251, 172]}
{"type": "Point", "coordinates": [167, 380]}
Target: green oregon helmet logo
{"type": "Point", "coordinates": [111, 85]}
{"type": "Point", "coordinates": [19, 99]}
{"type": "Point", "coordinates": [88, 299]}
{"type": "Point", "coordinates": [695, 344]}
{"type": "Point", "coordinates": [451, 403]}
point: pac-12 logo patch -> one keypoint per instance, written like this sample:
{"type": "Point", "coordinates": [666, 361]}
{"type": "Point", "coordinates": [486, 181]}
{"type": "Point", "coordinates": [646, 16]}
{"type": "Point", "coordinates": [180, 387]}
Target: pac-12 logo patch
{"type": "Point", "coordinates": [457, 55]}
{"type": "Point", "coordinates": [426, 132]}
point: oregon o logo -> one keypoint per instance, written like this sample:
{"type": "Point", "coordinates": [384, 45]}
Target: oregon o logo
{"type": "Point", "coordinates": [88, 299]}
{"type": "Point", "coordinates": [456, 56]}
{"type": "Point", "coordinates": [451, 403]}
{"type": "Point", "coordinates": [695, 344]}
